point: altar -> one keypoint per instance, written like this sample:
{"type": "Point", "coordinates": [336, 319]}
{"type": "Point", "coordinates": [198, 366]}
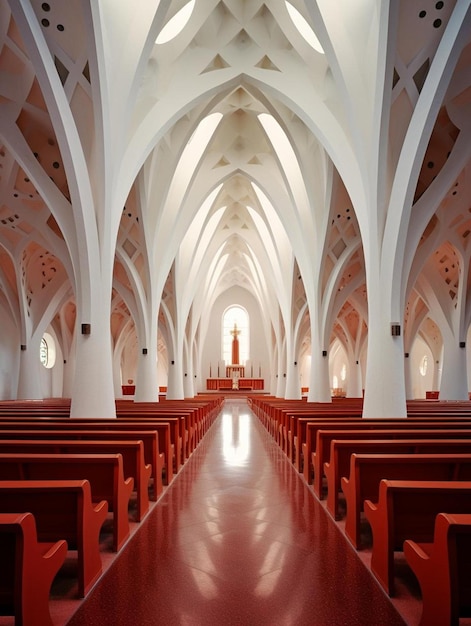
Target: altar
{"type": "Point", "coordinates": [225, 384]}
{"type": "Point", "coordinates": [235, 371]}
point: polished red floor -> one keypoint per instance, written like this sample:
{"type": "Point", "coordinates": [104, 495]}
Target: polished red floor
{"type": "Point", "coordinates": [238, 539]}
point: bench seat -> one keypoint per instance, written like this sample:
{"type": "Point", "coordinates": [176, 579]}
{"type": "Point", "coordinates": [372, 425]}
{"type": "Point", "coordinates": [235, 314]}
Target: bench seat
{"type": "Point", "coordinates": [420, 460]}
{"type": "Point", "coordinates": [325, 438]}
{"type": "Point", "coordinates": [104, 472]}
{"type": "Point", "coordinates": [406, 509]}
{"type": "Point", "coordinates": [27, 569]}
{"type": "Point", "coordinates": [83, 432]}
{"type": "Point", "coordinates": [134, 465]}
{"type": "Point", "coordinates": [169, 431]}
{"type": "Point", "coordinates": [63, 509]}
{"type": "Point", "coordinates": [442, 568]}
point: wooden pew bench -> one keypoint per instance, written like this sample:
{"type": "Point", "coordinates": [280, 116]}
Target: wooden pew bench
{"type": "Point", "coordinates": [296, 429]}
{"type": "Point", "coordinates": [341, 450]}
{"type": "Point", "coordinates": [149, 439]}
{"type": "Point", "coordinates": [63, 509]}
{"type": "Point", "coordinates": [442, 568]}
{"type": "Point", "coordinates": [27, 569]}
{"type": "Point", "coordinates": [104, 472]}
{"type": "Point", "coordinates": [177, 435]}
{"type": "Point", "coordinates": [312, 428]}
{"type": "Point", "coordinates": [407, 510]}
{"type": "Point", "coordinates": [412, 460]}
{"type": "Point", "coordinates": [180, 432]}
{"type": "Point", "coordinates": [134, 465]}
{"type": "Point", "coordinates": [169, 443]}
{"type": "Point", "coordinates": [325, 438]}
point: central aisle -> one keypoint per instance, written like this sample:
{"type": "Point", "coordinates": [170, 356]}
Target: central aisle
{"type": "Point", "coordinates": [238, 539]}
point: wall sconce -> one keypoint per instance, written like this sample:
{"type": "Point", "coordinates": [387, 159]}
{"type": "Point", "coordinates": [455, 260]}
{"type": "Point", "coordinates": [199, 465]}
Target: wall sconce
{"type": "Point", "coordinates": [86, 329]}
{"type": "Point", "coordinates": [462, 344]}
{"type": "Point", "coordinates": [144, 350]}
{"type": "Point", "coordinates": [396, 330]}
{"type": "Point", "coordinates": [324, 352]}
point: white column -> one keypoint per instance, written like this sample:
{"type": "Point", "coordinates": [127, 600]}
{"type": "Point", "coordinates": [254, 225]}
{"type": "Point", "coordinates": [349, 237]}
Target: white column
{"type": "Point", "coordinates": [385, 394]}
{"type": "Point", "coordinates": [93, 391]}
{"type": "Point", "coordinates": [29, 386]}
{"type": "Point", "coordinates": [147, 386]}
{"type": "Point", "coordinates": [354, 379]}
{"type": "Point", "coordinates": [454, 382]}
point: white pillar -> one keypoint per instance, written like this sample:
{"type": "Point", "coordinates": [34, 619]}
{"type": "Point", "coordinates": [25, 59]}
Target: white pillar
{"type": "Point", "coordinates": [385, 393]}
{"type": "Point", "coordinates": [354, 379]}
{"type": "Point", "coordinates": [319, 384]}
{"type": "Point", "coordinates": [147, 386]}
{"type": "Point", "coordinates": [93, 391]}
{"type": "Point", "coordinates": [454, 382]}
{"type": "Point", "coordinates": [29, 386]}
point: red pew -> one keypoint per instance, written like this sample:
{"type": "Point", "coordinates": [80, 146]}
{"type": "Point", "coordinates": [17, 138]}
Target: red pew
{"type": "Point", "coordinates": [104, 472]}
{"type": "Point", "coordinates": [424, 460]}
{"type": "Point", "coordinates": [407, 510]}
{"type": "Point", "coordinates": [63, 509]}
{"type": "Point", "coordinates": [442, 569]}
{"type": "Point", "coordinates": [325, 437]}
{"type": "Point", "coordinates": [28, 569]}
{"type": "Point", "coordinates": [131, 451]}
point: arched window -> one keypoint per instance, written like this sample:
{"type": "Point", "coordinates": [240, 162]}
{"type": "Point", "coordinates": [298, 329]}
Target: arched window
{"type": "Point", "coordinates": [47, 351]}
{"type": "Point", "coordinates": [43, 352]}
{"type": "Point", "coordinates": [235, 315]}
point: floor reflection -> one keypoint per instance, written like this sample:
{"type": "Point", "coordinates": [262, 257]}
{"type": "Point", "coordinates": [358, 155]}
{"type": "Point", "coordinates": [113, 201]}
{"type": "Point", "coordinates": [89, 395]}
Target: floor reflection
{"type": "Point", "coordinates": [235, 436]}
{"type": "Point", "coordinates": [238, 540]}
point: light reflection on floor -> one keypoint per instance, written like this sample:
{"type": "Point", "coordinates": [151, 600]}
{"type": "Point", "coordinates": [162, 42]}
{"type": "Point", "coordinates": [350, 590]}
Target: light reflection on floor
{"type": "Point", "coordinates": [235, 434]}
{"type": "Point", "coordinates": [237, 540]}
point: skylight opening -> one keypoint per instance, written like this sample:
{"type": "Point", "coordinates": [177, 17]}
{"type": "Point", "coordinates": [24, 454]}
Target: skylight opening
{"type": "Point", "coordinates": [175, 25]}
{"type": "Point", "coordinates": [303, 27]}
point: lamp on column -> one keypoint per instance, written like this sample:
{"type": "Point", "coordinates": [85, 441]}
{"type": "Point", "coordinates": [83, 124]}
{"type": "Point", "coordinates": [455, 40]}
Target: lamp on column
{"type": "Point", "coordinates": [395, 329]}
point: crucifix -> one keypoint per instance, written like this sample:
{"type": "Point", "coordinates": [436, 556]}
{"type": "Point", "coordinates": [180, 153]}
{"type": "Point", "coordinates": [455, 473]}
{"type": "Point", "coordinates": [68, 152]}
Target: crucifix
{"type": "Point", "coordinates": [235, 332]}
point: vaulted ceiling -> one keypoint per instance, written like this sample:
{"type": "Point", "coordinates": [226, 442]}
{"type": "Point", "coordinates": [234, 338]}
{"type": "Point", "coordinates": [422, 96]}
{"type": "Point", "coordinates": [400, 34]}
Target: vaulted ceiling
{"type": "Point", "coordinates": [232, 136]}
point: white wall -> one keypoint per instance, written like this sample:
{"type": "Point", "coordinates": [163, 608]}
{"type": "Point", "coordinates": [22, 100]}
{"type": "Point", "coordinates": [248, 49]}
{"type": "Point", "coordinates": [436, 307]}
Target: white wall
{"type": "Point", "coordinates": [421, 384]}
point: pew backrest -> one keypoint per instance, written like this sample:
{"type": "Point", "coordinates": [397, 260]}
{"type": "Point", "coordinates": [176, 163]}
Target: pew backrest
{"type": "Point", "coordinates": [104, 472]}
{"type": "Point", "coordinates": [407, 510]}
{"type": "Point", "coordinates": [62, 510]}
{"type": "Point", "coordinates": [367, 471]}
